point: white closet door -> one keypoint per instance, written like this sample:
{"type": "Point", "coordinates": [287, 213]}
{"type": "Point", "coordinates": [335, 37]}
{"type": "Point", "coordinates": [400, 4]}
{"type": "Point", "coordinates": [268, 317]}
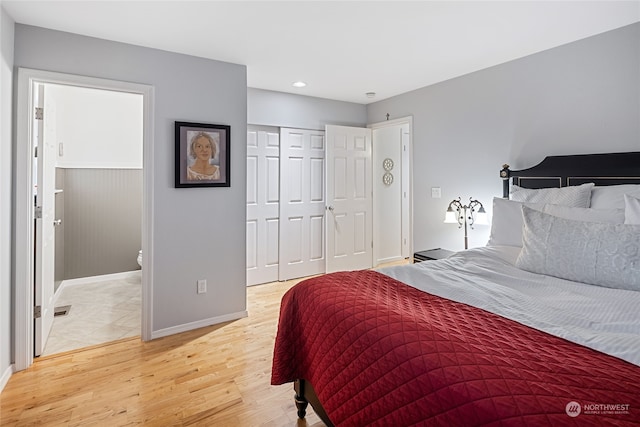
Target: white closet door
{"type": "Point", "coordinates": [349, 199]}
{"type": "Point", "coordinates": [263, 176]}
{"type": "Point", "coordinates": [302, 203]}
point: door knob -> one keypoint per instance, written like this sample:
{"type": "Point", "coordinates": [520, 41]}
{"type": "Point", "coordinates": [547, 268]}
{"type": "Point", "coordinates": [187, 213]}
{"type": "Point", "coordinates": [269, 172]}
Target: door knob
{"type": "Point", "coordinates": [330, 208]}
{"type": "Point", "coordinates": [57, 222]}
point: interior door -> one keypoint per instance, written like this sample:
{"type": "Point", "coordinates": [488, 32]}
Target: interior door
{"type": "Point", "coordinates": [44, 137]}
{"type": "Point", "coordinates": [302, 203]}
{"type": "Point", "coordinates": [390, 193]}
{"type": "Point", "coordinates": [263, 187]}
{"type": "Point", "coordinates": [349, 198]}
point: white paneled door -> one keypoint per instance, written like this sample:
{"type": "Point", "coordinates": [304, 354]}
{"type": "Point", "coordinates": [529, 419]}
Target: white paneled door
{"type": "Point", "coordinates": [44, 131]}
{"type": "Point", "coordinates": [302, 203]}
{"type": "Point", "coordinates": [263, 222]}
{"type": "Point", "coordinates": [349, 198]}
{"type": "Point", "coordinates": [391, 191]}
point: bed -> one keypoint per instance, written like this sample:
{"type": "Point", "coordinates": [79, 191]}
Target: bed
{"type": "Point", "coordinates": [523, 331]}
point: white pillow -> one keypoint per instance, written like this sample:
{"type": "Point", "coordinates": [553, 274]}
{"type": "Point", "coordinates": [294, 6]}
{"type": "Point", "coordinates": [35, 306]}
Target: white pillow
{"type": "Point", "coordinates": [588, 252]}
{"type": "Point", "coordinates": [578, 196]}
{"type": "Point", "coordinates": [611, 216]}
{"type": "Point", "coordinates": [612, 196]}
{"type": "Point", "coordinates": [631, 210]}
{"type": "Point", "coordinates": [506, 223]}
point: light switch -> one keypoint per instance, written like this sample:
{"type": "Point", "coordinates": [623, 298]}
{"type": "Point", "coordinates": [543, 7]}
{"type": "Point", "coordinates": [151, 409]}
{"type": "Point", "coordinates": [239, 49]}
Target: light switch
{"type": "Point", "coordinates": [436, 192]}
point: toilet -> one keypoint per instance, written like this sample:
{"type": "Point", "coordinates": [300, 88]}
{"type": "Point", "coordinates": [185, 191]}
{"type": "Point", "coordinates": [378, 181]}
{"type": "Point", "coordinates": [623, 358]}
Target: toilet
{"type": "Point", "coordinates": [140, 258]}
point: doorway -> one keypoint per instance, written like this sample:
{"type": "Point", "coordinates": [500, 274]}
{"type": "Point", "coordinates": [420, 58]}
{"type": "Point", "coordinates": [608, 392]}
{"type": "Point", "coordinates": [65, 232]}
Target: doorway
{"type": "Point", "coordinates": [92, 157]}
{"type": "Point", "coordinates": [25, 213]}
{"type": "Point", "coordinates": [392, 192]}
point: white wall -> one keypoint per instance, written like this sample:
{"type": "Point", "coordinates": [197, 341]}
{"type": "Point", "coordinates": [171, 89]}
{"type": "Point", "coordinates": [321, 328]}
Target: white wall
{"type": "Point", "coordinates": [198, 233]}
{"type": "Point", "coordinates": [583, 97]}
{"type": "Point", "coordinates": [387, 199]}
{"type": "Point", "coordinates": [98, 128]}
{"type": "Point", "coordinates": [280, 109]}
{"type": "Point", "coordinates": [6, 120]}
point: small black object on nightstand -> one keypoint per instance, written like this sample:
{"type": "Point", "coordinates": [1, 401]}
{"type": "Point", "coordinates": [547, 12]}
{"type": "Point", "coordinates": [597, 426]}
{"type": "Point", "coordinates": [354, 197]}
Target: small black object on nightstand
{"type": "Point", "coordinates": [431, 254]}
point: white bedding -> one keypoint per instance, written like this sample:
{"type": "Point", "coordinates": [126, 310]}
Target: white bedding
{"type": "Point", "coordinates": [607, 320]}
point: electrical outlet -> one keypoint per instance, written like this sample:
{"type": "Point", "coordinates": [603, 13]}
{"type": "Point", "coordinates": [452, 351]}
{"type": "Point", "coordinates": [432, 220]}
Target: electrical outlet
{"type": "Point", "coordinates": [436, 193]}
{"type": "Point", "coordinates": [202, 286]}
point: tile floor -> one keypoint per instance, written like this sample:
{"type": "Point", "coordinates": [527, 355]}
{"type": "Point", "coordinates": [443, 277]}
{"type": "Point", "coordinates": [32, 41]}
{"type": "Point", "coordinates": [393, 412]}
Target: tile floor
{"type": "Point", "coordinates": [100, 312]}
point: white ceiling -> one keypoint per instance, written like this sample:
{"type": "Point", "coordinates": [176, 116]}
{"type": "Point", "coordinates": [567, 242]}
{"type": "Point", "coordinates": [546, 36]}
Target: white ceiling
{"type": "Point", "coordinates": [341, 49]}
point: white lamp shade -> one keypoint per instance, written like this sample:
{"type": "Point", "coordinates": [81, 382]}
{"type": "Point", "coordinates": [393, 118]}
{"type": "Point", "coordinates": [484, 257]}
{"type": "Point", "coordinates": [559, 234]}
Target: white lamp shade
{"type": "Point", "coordinates": [450, 217]}
{"type": "Point", "coordinates": [481, 218]}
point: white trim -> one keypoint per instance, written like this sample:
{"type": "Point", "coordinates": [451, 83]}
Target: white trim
{"type": "Point", "coordinates": [199, 324]}
{"type": "Point", "coordinates": [23, 243]}
{"type": "Point", "coordinates": [23, 246]}
{"type": "Point", "coordinates": [403, 120]}
{"type": "Point", "coordinates": [394, 122]}
{"type": "Point", "coordinates": [4, 379]}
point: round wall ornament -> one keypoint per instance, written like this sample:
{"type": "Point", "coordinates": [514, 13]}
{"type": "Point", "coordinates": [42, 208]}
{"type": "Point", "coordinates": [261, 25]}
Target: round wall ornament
{"type": "Point", "coordinates": [387, 178]}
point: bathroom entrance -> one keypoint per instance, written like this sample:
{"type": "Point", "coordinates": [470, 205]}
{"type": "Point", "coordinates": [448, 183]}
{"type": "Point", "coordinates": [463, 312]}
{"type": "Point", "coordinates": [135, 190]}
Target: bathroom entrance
{"type": "Point", "coordinates": [89, 170]}
{"type": "Point", "coordinates": [95, 134]}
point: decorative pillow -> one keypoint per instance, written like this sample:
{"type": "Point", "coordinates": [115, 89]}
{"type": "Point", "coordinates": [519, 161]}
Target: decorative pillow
{"type": "Point", "coordinates": [506, 223]}
{"type": "Point", "coordinates": [596, 253]}
{"type": "Point", "coordinates": [578, 196]}
{"type": "Point", "coordinates": [631, 210]}
{"type": "Point", "coordinates": [612, 196]}
{"type": "Point", "coordinates": [611, 216]}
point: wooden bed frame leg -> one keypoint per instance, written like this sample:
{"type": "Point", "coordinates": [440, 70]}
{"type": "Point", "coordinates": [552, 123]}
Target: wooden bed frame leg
{"type": "Point", "coordinates": [301, 402]}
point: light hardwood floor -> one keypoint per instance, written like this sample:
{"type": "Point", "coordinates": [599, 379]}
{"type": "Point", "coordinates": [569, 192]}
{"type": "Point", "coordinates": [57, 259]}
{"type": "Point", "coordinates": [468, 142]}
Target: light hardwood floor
{"type": "Point", "coordinates": [214, 376]}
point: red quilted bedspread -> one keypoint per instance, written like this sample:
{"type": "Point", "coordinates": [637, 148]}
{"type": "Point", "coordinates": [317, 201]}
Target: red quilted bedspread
{"type": "Point", "coordinates": [379, 352]}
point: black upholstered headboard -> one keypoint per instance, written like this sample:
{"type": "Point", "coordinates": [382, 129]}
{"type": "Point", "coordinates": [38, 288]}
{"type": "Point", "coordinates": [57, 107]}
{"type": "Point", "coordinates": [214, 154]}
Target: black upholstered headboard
{"type": "Point", "coordinates": [562, 171]}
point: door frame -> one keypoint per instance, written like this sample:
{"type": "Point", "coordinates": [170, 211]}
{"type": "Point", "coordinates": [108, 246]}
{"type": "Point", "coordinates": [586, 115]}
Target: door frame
{"type": "Point", "coordinates": [24, 207]}
{"type": "Point", "coordinates": [407, 172]}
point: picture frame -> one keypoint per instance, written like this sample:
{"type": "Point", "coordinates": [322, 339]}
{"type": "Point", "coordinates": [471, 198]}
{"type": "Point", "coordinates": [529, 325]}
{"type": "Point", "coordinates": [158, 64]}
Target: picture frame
{"type": "Point", "coordinates": [202, 155]}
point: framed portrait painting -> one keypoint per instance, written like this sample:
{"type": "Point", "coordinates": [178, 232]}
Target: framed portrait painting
{"type": "Point", "coordinates": [203, 155]}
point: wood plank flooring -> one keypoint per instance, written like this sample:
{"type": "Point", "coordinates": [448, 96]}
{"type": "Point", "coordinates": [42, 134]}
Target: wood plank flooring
{"type": "Point", "coordinates": [214, 376]}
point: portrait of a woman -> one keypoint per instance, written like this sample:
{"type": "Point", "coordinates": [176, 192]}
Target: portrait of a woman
{"type": "Point", "coordinates": [203, 155]}
{"type": "Point", "coordinates": [202, 149]}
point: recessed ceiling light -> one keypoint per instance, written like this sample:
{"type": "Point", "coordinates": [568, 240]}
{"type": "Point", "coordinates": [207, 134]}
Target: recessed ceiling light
{"type": "Point", "coordinates": [299, 84]}
{"type": "Point", "coordinates": [370, 94]}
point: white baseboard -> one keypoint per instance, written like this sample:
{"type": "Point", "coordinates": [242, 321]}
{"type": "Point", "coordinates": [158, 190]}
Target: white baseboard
{"type": "Point", "coordinates": [199, 324]}
{"type": "Point", "coordinates": [4, 379]}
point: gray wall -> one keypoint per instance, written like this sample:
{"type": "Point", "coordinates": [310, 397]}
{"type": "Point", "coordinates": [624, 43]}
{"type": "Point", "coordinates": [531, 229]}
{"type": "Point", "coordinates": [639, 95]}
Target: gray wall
{"type": "Point", "coordinates": [198, 233]}
{"type": "Point", "coordinates": [583, 97]}
{"type": "Point", "coordinates": [280, 109]}
{"type": "Point", "coordinates": [6, 204]}
{"type": "Point", "coordinates": [58, 271]}
{"type": "Point", "coordinates": [102, 221]}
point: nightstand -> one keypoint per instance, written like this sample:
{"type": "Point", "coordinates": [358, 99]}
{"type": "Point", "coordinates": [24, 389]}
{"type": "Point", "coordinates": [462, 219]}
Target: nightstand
{"type": "Point", "coordinates": [431, 254]}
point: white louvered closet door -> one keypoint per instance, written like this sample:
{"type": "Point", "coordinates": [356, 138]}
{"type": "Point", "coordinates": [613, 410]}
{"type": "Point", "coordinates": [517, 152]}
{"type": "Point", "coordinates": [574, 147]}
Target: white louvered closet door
{"type": "Point", "coordinates": [302, 203]}
{"type": "Point", "coordinates": [263, 223]}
